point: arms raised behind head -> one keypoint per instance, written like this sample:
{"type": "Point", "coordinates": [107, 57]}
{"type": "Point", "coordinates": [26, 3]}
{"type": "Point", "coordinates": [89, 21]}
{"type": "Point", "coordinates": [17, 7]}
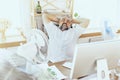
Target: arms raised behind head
{"type": "Point", "coordinates": [49, 17]}
{"type": "Point", "coordinates": [83, 22]}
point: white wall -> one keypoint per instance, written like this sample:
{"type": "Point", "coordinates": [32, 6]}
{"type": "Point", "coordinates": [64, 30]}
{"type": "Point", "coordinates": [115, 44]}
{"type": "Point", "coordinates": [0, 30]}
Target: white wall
{"type": "Point", "coordinates": [54, 4]}
{"type": "Point", "coordinates": [118, 14]}
{"type": "Point", "coordinates": [98, 11]}
{"type": "Point", "coordinates": [25, 13]}
{"type": "Point", "coordinates": [10, 10]}
{"type": "Point", "coordinates": [16, 11]}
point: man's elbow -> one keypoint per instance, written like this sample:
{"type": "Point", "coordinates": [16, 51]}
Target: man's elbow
{"type": "Point", "coordinates": [85, 23]}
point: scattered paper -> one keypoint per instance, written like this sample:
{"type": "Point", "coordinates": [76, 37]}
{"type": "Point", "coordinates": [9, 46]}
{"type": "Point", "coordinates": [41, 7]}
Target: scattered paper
{"type": "Point", "coordinates": [68, 65]}
{"type": "Point", "coordinates": [59, 75]}
{"type": "Point", "coordinates": [45, 72]}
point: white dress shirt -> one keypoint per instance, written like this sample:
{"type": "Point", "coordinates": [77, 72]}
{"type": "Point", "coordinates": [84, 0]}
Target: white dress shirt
{"type": "Point", "coordinates": [62, 43]}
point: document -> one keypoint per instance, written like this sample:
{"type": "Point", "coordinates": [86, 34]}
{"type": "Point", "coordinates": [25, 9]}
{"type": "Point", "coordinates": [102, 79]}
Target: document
{"type": "Point", "coordinates": [59, 75]}
{"type": "Point", "coordinates": [67, 65]}
{"type": "Point", "coordinates": [47, 72]}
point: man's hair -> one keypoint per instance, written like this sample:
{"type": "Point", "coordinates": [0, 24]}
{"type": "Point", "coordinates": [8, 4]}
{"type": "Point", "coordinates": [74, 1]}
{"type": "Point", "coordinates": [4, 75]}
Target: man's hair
{"type": "Point", "coordinates": [9, 72]}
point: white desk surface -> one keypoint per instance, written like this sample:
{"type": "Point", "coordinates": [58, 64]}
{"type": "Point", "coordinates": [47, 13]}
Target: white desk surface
{"type": "Point", "coordinates": [12, 41]}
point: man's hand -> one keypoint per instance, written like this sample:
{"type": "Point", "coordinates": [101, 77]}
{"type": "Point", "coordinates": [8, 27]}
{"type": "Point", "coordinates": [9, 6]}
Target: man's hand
{"type": "Point", "coordinates": [82, 22]}
{"type": "Point", "coordinates": [66, 21]}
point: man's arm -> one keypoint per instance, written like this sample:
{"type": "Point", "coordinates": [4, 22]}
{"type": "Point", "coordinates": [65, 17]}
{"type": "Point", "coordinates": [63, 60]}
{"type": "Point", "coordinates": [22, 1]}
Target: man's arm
{"type": "Point", "coordinates": [49, 17]}
{"type": "Point", "coordinates": [52, 17]}
{"type": "Point", "coordinates": [83, 22]}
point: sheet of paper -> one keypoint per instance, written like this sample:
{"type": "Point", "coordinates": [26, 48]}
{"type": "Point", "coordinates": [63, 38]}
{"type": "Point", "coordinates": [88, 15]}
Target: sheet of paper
{"type": "Point", "coordinates": [58, 59]}
{"type": "Point", "coordinates": [59, 75]}
{"type": "Point", "coordinates": [67, 65]}
{"type": "Point", "coordinates": [45, 72]}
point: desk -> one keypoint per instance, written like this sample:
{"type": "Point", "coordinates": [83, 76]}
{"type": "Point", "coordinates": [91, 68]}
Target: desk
{"type": "Point", "coordinates": [66, 71]}
{"type": "Point", "coordinates": [63, 70]}
{"type": "Point", "coordinates": [12, 41]}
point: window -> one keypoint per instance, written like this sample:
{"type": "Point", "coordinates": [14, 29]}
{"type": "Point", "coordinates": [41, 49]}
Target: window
{"type": "Point", "coordinates": [98, 11]}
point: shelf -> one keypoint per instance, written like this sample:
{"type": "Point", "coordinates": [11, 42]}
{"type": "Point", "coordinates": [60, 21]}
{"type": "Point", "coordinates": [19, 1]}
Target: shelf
{"type": "Point", "coordinates": [37, 14]}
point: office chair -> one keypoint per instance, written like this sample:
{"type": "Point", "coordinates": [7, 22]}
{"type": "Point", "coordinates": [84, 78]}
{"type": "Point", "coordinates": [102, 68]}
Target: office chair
{"type": "Point", "coordinates": [4, 24]}
{"type": "Point", "coordinates": [34, 51]}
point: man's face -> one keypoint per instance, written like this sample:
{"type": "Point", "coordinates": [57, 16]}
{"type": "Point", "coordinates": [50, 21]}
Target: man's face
{"type": "Point", "coordinates": [66, 22]}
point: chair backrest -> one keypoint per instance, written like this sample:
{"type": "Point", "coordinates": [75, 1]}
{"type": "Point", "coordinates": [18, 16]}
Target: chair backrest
{"type": "Point", "coordinates": [4, 24]}
{"type": "Point", "coordinates": [36, 46]}
{"type": "Point", "coordinates": [39, 35]}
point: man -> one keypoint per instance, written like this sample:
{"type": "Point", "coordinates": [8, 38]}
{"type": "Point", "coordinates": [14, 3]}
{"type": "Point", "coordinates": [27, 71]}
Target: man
{"type": "Point", "coordinates": [62, 38]}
